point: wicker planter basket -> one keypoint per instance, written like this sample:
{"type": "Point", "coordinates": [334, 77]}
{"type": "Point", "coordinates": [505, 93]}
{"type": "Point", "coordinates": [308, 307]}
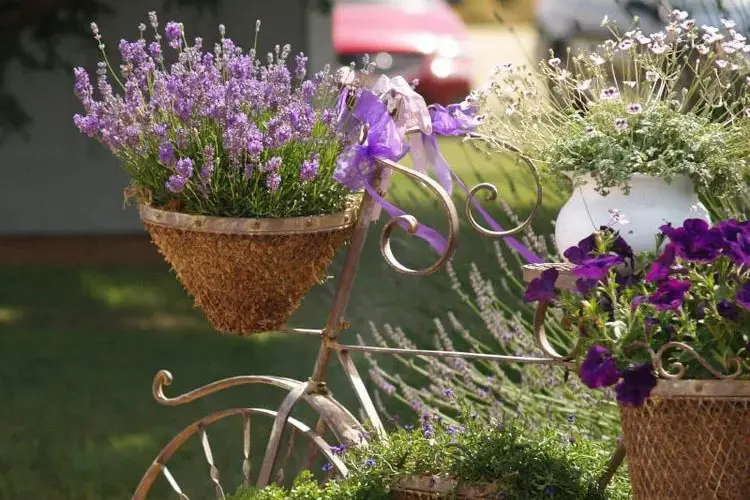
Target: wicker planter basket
{"type": "Point", "coordinates": [691, 439]}
{"type": "Point", "coordinates": [248, 275]}
{"type": "Point", "coordinates": [427, 487]}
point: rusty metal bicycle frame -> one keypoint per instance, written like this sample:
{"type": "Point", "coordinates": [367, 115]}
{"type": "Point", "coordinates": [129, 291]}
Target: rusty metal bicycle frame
{"type": "Point", "coordinates": [314, 390]}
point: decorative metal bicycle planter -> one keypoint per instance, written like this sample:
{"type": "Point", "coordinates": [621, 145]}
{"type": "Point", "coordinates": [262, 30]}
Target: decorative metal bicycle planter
{"type": "Point", "coordinates": [333, 416]}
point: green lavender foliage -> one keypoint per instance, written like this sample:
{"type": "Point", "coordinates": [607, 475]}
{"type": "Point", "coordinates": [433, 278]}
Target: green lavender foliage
{"type": "Point", "coordinates": [552, 462]}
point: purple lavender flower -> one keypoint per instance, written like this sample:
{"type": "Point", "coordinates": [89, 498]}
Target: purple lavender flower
{"type": "Point", "coordinates": [272, 165]}
{"type": "Point", "coordinates": [743, 295]}
{"type": "Point", "coordinates": [695, 240]}
{"type": "Point", "coordinates": [176, 183]}
{"type": "Point", "coordinates": [661, 267]}
{"type": "Point", "coordinates": [637, 383]}
{"type": "Point", "coordinates": [208, 163]}
{"type": "Point", "coordinates": [428, 430]}
{"type": "Point", "coordinates": [542, 288]}
{"type": "Point", "coordinates": [309, 169]}
{"type": "Point", "coordinates": [166, 154]}
{"type": "Point", "coordinates": [174, 32]}
{"type": "Point", "coordinates": [273, 181]}
{"type": "Point", "coordinates": [597, 268]}
{"type": "Point", "coordinates": [599, 369]}
{"type": "Point", "coordinates": [669, 295]}
{"type": "Point", "coordinates": [185, 167]}
{"type": "Point", "coordinates": [728, 310]}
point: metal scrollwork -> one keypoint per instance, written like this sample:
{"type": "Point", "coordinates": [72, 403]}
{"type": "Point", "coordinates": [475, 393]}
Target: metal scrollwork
{"type": "Point", "coordinates": [677, 369]}
{"type": "Point", "coordinates": [412, 224]}
{"type": "Point", "coordinates": [493, 192]}
{"type": "Point", "coordinates": [543, 342]}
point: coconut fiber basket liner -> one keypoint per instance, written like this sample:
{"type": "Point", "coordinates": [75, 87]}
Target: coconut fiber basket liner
{"type": "Point", "coordinates": [249, 275]}
{"type": "Point", "coordinates": [427, 487]}
{"type": "Point", "coordinates": [690, 440]}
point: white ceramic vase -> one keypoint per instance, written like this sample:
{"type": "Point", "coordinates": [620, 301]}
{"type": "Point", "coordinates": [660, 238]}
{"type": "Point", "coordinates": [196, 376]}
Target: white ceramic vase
{"type": "Point", "coordinates": [651, 203]}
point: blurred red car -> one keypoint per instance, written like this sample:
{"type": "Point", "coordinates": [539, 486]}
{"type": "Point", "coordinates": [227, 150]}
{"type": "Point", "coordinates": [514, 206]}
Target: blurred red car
{"type": "Point", "coordinates": [416, 39]}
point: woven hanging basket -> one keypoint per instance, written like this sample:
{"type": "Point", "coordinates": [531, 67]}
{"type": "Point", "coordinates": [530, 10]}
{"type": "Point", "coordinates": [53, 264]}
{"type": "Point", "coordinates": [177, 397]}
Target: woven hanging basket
{"type": "Point", "coordinates": [249, 275]}
{"type": "Point", "coordinates": [430, 487]}
{"type": "Point", "coordinates": [691, 439]}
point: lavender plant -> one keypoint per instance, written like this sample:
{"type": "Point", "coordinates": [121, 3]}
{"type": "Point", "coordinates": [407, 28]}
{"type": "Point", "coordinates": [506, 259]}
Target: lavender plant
{"type": "Point", "coordinates": [671, 103]}
{"type": "Point", "coordinates": [215, 132]}
{"type": "Point", "coordinates": [498, 391]}
{"type": "Point", "coordinates": [685, 311]}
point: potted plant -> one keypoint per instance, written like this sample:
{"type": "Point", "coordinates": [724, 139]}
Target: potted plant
{"type": "Point", "coordinates": [644, 124]}
{"type": "Point", "coordinates": [231, 161]}
{"type": "Point", "coordinates": [473, 460]}
{"type": "Point", "coordinates": [670, 330]}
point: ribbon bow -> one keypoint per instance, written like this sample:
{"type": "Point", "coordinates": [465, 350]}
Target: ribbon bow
{"type": "Point", "coordinates": [382, 139]}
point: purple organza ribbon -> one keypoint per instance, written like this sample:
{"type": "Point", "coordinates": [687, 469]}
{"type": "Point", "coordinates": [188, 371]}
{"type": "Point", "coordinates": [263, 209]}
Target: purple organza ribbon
{"type": "Point", "coordinates": [383, 140]}
{"type": "Point", "coordinates": [454, 121]}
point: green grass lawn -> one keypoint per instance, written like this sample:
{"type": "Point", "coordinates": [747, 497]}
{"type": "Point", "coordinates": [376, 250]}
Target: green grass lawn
{"type": "Point", "coordinates": [79, 348]}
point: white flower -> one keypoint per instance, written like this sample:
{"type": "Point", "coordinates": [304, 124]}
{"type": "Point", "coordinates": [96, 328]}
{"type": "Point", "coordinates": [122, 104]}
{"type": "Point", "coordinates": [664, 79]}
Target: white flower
{"type": "Point", "coordinates": [605, 21]}
{"type": "Point", "coordinates": [703, 49]}
{"type": "Point", "coordinates": [728, 47]}
{"type": "Point", "coordinates": [738, 37]}
{"type": "Point", "coordinates": [510, 110]}
{"type": "Point", "coordinates": [652, 76]}
{"type": "Point", "coordinates": [710, 38]}
{"type": "Point", "coordinates": [621, 123]}
{"type": "Point", "coordinates": [747, 112]}
{"type": "Point", "coordinates": [659, 48]}
{"type": "Point", "coordinates": [728, 23]}
{"type": "Point", "coordinates": [617, 217]}
{"type": "Point", "coordinates": [643, 39]}
{"type": "Point", "coordinates": [721, 63]}
{"type": "Point", "coordinates": [747, 80]}
{"type": "Point", "coordinates": [589, 130]}
{"type": "Point", "coordinates": [584, 85]}
{"type": "Point", "coordinates": [709, 29]}
{"type": "Point", "coordinates": [658, 36]}
{"type": "Point", "coordinates": [563, 74]}
{"type": "Point", "coordinates": [609, 94]}
{"type": "Point", "coordinates": [688, 25]}
{"type": "Point", "coordinates": [554, 62]}
{"type": "Point", "coordinates": [634, 108]}
{"type": "Point", "coordinates": [679, 15]}
{"type": "Point", "coordinates": [596, 59]}
{"type": "Point", "coordinates": [626, 44]}
{"type": "Point", "coordinates": [630, 83]}
{"type": "Point", "coordinates": [505, 68]}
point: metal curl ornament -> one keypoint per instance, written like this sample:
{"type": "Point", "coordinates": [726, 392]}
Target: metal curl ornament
{"type": "Point", "coordinates": [540, 335]}
{"type": "Point", "coordinates": [677, 369]}
{"type": "Point", "coordinates": [493, 192]}
{"type": "Point", "coordinates": [412, 224]}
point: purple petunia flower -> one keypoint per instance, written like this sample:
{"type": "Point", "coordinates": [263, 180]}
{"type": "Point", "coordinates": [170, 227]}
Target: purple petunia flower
{"type": "Point", "coordinates": [542, 288]}
{"type": "Point", "coordinates": [695, 240]}
{"type": "Point", "coordinates": [584, 250]}
{"type": "Point", "coordinates": [669, 295]}
{"type": "Point", "coordinates": [637, 383]}
{"type": "Point", "coordinates": [743, 295]}
{"type": "Point", "coordinates": [661, 267]}
{"type": "Point", "coordinates": [736, 241]}
{"type": "Point", "coordinates": [599, 369]}
{"type": "Point", "coordinates": [584, 286]}
{"type": "Point", "coordinates": [728, 310]}
{"type": "Point", "coordinates": [596, 268]}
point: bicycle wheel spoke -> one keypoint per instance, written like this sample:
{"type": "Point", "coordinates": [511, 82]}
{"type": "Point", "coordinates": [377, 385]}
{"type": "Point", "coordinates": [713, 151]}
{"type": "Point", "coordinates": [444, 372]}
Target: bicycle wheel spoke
{"type": "Point", "coordinates": [287, 455]}
{"type": "Point", "coordinates": [312, 448]}
{"type": "Point", "coordinates": [173, 483]}
{"type": "Point", "coordinates": [213, 472]}
{"type": "Point", "coordinates": [246, 449]}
